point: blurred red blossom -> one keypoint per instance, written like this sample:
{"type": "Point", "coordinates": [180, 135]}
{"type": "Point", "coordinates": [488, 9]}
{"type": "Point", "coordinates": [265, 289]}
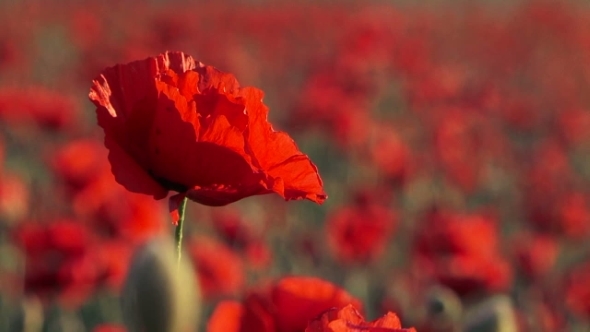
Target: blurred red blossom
{"type": "Point", "coordinates": [220, 271]}
{"type": "Point", "coordinates": [82, 167]}
{"type": "Point", "coordinates": [359, 232]}
{"type": "Point", "coordinates": [79, 162]}
{"type": "Point", "coordinates": [242, 235]}
{"type": "Point", "coordinates": [535, 254]}
{"type": "Point", "coordinates": [462, 252]}
{"type": "Point", "coordinates": [114, 257]}
{"type": "Point", "coordinates": [390, 154]}
{"type": "Point", "coordinates": [40, 106]}
{"type": "Point", "coordinates": [574, 125]}
{"type": "Point", "coordinates": [554, 201]}
{"type": "Point", "coordinates": [284, 306]}
{"type": "Point", "coordinates": [162, 116]}
{"type": "Point", "coordinates": [14, 197]}
{"type": "Point", "coordinates": [258, 255]}
{"type": "Point", "coordinates": [9, 52]}
{"type": "Point", "coordinates": [232, 226]}
{"type": "Point", "coordinates": [573, 214]}
{"type": "Point", "coordinates": [455, 149]}
{"type": "Point", "coordinates": [348, 319]}
{"type": "Point", "coordinates": [58, 259]}
{"type": "Point", "coordinates": [465, 143]}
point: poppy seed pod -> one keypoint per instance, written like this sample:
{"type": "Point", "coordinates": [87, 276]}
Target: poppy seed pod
{"type": "Point", "coordinates": [159, 294]}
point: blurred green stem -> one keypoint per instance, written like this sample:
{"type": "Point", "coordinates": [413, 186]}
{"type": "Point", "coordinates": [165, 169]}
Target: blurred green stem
{"type": "Point", "coordinates": [178, 233]}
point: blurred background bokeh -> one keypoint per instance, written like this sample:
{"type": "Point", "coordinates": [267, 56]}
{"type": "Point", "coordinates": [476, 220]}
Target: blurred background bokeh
{"type": "Point", "coordinates": [453, 139]}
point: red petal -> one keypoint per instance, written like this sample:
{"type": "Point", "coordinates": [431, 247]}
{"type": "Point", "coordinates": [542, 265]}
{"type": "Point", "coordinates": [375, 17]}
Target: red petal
{"type": "Point", "coordinates": [175, 153]}
{"type": "Point", "coordinates": [221, 133]}
{"type": "Point", "coordinates": [295, 175]}
{"type": "Point", "coordinates": [129, 174]}
{"type": "Point", "coordinates": [390, 321]}
{"type": "Point", "coordinates": [301, 179]}
{"type": "Point", "coordinates": [171, 138]}
{"type": "Point", "coordinates": [227, 317]}
{"type": "Point", "coordinates": [213, 79]}
{"type": "Point", "coordinates": [220, 195]}
{"type": "Point", "coordinates": [125, 96]}
{"type": "Point", "coordinates": [300, 299]}
{"type": "Point", "coordinates": [118, 89]}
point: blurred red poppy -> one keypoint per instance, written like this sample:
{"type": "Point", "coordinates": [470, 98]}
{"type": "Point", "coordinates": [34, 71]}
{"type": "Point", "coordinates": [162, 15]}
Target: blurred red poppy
{"type": "Point", "coordinates": [389, 154]}
{"type": "Point", "coordinates": [47, 109]}
{"type": "Point", "coordinates": [286, 306]}
{"type": "Point", "coordinates": [535, 254]}
{"type": "Point", "coordinates": [253, 314]}
{"type": "Point", "coordinates": [172, 123]}
{"type": "Point", "coordinates": [462, 252]}
{"type": "Point", "coordinates": [216, 279]}
{"type": "Point", "coordinates": [82, 167]}
{"type": "Point", "coordinates": [57, 260]}
{"type": "Point", "coordinates": [348, 319]}
{"type": "Point", "coordinates": [14, 197]}
{"type": "Point", "coordinates": [359, 233]}
{"type": "Point", "coordinates": [79, 162]}
{"type": "Point", "coordinates": [232, 227]}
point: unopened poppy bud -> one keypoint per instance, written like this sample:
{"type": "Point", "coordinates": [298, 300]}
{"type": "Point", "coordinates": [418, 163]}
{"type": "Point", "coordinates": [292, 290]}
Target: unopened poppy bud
{"type": "Point", "coordinates": [159, 294]}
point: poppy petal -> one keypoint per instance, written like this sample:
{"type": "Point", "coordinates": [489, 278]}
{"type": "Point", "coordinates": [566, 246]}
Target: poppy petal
{"type": "Point", "coordinates": [128, 173]}
{"type": "Point", "coordinates": [295, 176]}
{"type": "Point", "coordinates": [227, 317]}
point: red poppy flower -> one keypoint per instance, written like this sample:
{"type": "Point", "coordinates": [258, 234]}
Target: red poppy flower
{"type": "Point", "coordinates": [348, 319]}
{"type": "Point", "coordinates": [172, 123]}
{"type": "Point", "coordinates": [286, 306]}
{"type": "Point", "coordinates": [389, 154]}
{"type": "Point", "coordinates": [535, 254]}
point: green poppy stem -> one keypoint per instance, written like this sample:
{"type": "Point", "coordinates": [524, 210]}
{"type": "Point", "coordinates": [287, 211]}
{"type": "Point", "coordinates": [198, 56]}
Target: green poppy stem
{"type": "Point", "coordinates": [178, 232]}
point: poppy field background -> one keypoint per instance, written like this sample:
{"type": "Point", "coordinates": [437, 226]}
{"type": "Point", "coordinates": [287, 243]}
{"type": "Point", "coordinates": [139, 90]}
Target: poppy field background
{"type": "Point", "coordinates": [453, 142]}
